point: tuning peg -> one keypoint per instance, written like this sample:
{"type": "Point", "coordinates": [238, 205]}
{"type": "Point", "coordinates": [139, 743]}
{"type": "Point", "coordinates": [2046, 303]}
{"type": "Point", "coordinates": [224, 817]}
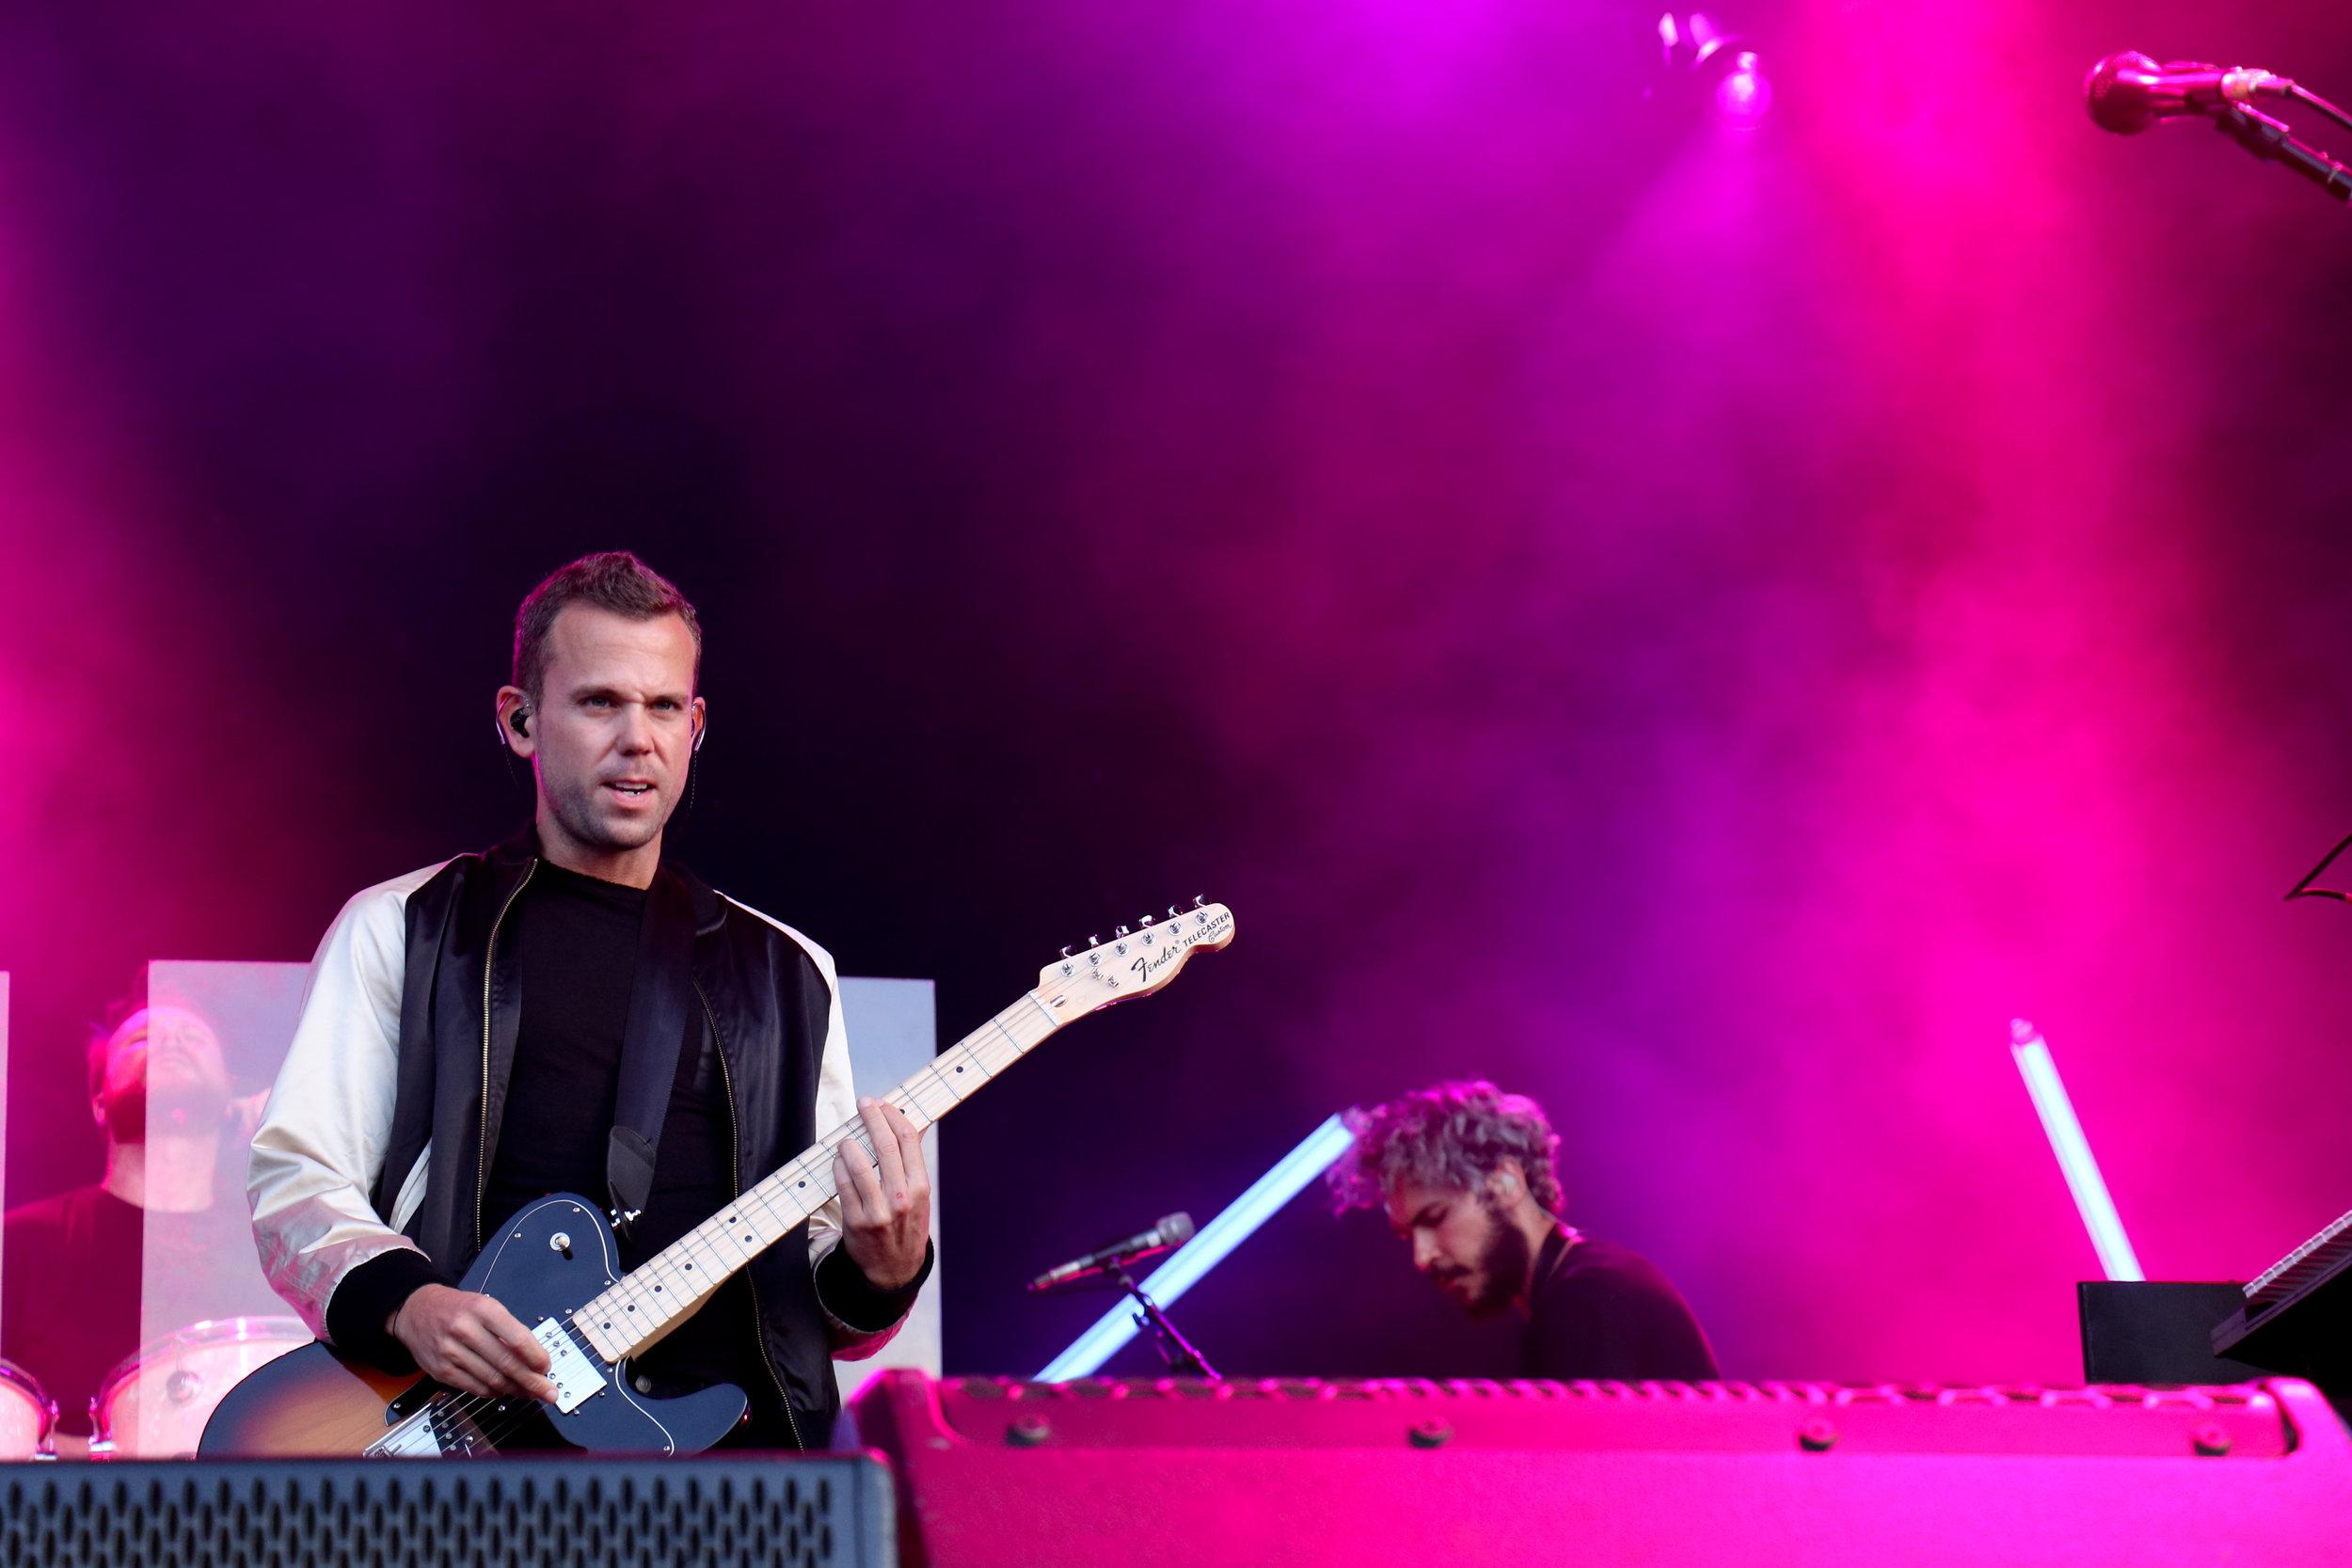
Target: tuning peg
{"type": "Point", "coordinates": [1145, 921]}
{"type": "Point", "coordinates": [1094, 942]}
{"type": "Point", "coordinates": [1069, 951]}
{"type": "Point", "coordinates": [1200, 900]}
{"type": "Point", "coordinates": [1173, 911]}
{"type": "Point", "coordinates": [1118, 931]}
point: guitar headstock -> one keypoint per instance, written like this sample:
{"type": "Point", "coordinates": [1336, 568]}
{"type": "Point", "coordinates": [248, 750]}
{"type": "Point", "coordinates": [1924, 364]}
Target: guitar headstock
{"type": "Point", "coordinates": [1133, 963]}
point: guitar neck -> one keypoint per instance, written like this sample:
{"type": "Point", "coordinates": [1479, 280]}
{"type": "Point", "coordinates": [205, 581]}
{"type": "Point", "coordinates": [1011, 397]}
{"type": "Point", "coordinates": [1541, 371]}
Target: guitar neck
{"type": "Point", "coordinates": [661, 1292]}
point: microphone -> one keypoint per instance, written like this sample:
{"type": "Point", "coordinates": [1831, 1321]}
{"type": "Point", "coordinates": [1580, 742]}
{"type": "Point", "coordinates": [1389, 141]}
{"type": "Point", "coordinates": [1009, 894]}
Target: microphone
{"type": "Point", "coordinates": [1166, 1236]}
{"type": "Point", "coordinates": [2127, 93]}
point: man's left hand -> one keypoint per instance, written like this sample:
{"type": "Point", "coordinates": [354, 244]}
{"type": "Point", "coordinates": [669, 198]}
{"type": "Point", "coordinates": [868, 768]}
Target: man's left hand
{"type": "Point", "coordinates": [885, 1200]}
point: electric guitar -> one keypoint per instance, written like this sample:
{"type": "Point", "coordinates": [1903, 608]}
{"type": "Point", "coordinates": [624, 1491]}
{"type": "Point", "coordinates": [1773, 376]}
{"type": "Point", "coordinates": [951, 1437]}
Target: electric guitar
{"type": "Point", "coordinates": [554, 1266]}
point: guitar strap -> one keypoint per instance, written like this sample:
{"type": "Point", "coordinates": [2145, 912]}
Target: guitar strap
{"type": "Point", "coordinates": [661, 1014]}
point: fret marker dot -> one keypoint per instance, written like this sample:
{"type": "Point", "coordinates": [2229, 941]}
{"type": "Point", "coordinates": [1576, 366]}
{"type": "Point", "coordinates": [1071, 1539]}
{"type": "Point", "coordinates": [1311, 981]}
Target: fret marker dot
{"type": "Point", "coordinates": [632, 1309]}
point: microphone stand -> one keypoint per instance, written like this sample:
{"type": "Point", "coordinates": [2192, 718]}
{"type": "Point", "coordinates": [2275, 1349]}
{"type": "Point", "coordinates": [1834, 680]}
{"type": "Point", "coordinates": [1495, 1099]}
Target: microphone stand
{"type": "Point", "coordinates": [2269, 139]}
{"type": "Point", "coordinates": [1181, 1354]}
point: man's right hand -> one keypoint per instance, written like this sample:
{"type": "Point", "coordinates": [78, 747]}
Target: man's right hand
{"type": "Point", "coordinates": [472, 1343]}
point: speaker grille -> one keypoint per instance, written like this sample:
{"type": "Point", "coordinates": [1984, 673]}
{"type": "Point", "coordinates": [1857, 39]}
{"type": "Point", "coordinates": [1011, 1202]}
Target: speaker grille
{"type": "Point", "coordinates": [511, 1513]}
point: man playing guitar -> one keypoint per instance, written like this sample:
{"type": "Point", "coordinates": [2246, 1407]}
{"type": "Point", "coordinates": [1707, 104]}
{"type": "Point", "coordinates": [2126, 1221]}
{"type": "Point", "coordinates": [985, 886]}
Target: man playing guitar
{"type": "Point", "coordinates": [568, 1011]}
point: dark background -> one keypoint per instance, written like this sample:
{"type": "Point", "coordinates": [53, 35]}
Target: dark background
{"type": "Point", "coordinates": [1701, 627]}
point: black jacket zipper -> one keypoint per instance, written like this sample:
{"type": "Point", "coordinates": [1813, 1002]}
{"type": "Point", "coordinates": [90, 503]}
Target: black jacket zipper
{"type": "Point", "coordinates": [482, 1139]}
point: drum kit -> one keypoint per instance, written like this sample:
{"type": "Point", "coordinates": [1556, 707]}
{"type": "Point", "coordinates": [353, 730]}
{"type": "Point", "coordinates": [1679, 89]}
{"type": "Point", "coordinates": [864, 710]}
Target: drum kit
{"type": "Point", "coordinates": [155, 1403]}
{"type": "Point", "coordinates": [27, 1414]}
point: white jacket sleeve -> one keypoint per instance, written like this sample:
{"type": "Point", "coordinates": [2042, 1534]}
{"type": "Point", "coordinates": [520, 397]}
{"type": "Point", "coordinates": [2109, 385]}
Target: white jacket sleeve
{"type": "Point", "coordinates": [836, 1105]}
{"type": "Point", "coordinates": [322, 1136]}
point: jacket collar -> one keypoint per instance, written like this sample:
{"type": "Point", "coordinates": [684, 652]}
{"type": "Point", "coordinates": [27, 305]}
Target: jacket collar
{"type": "Point", "coordinates": [512, 857]}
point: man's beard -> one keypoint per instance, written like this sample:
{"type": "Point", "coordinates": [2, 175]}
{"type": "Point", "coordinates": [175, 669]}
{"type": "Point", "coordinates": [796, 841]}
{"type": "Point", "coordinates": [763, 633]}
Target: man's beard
{"type": "Point", "coordinates": [199, 1106]}
{"type": "Point", "coordinates": [126, 1114]}
{"type": "Point", "coordinates": [186, 1108]}
{"type": "Point", "coordinates": [1504, 1264]}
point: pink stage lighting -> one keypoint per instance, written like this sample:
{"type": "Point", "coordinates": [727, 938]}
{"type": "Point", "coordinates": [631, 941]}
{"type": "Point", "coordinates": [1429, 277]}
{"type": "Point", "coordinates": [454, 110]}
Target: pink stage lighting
{"type": "Point", "coordinates": [1726, 71]}
{"type": "Point", "coordinates": [1744, 95]}
{"type": "Point", "coordinates": [2072, 1151]}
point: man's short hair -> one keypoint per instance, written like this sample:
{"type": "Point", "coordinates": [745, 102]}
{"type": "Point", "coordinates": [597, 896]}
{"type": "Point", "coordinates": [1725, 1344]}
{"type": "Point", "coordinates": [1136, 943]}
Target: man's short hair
{"type": "Point", "coordinates": [613, 580]}
{"type": "Point", "coordinates": [1450, 1135]}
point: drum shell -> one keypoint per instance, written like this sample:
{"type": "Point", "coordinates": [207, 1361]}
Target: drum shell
{"type": "Point", "coordinates": [27, 1413]}
{"type": "Point", "coordinates": [155, 1403]}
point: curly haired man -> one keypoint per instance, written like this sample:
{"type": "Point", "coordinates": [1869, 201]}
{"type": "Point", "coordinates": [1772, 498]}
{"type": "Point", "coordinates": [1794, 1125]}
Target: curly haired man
{"type": "Point", "coordinates": [1466, 1174]}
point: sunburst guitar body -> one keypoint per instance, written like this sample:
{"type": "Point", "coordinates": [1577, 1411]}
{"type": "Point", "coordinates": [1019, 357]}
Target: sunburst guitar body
{"type": "Point", "coordinates": [544, 1265]}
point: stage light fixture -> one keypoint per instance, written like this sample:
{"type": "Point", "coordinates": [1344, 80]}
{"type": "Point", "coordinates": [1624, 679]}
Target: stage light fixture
{"type": "Point", "coordinates": [2072, 1151]}
{"type": "Point", "coordinates": [1720, 68]}
{"type": "Point", "coordinates": [1167, 1283]}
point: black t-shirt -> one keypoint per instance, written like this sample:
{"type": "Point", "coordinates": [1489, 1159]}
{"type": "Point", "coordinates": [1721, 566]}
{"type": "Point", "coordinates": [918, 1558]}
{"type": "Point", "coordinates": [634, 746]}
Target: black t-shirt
{"type": "Point", "coordinates": [574, 944]}
{"type": "Point", "coordinates": [576, 955]}
{"type": "Point", "coordinates": [71, 1308]}
{"type": "Point", "coordinates": [70, 1302]}
{"type": "Point", "coordinates": [1599, 1310]}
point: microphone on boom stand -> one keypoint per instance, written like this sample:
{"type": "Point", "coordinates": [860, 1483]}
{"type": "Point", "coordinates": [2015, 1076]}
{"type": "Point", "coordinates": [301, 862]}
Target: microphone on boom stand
{"type": "Point", "coordinates": [1114, 1260]}
{"type": "Point", "coordinates": [1173, 1231]}
{"type": "Point", "coordinates": [2127, 93]}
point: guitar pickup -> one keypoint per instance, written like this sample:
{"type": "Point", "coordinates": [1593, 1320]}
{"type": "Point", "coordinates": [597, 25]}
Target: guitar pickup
{"type": "Point", "coordinates": [577, 1378]}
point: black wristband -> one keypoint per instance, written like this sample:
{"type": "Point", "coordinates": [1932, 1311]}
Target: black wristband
{"type": "Point", "coordinates": [843, 1290]}
{"type": "Point", "coordinates": [365, 1299]}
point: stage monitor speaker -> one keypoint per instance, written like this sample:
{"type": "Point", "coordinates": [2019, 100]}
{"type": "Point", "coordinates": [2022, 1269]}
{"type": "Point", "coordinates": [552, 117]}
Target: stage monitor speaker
{"type": "Point", "coordinates": [518, 1511]}
{"type": "Point", "coordinates": [1179, 1473]}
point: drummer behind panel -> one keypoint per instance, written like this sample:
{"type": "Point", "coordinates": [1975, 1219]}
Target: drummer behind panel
{"type": "Point", "coordinates": [160, 1094]}
{"type": "Point", "coordinates": [1465, 1172]}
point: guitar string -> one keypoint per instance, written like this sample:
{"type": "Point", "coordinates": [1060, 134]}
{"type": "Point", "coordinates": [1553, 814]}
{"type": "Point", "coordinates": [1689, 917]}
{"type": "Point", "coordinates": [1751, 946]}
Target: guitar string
{"type": "Point", "coordinates": [928, 1094]}
{"type": "Point", "coordinates": [934, 1079]}
{"type": "Point", "coordinates": [475, 1406]}
{"type": "Point", "coordinates": [472, 1407]}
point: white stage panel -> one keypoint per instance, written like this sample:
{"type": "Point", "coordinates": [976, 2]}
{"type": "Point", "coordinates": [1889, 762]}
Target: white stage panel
{"type": "Point", "coordinates": [203, 1266]}
{"type": "Point", "coordinates": [893, 1034]}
